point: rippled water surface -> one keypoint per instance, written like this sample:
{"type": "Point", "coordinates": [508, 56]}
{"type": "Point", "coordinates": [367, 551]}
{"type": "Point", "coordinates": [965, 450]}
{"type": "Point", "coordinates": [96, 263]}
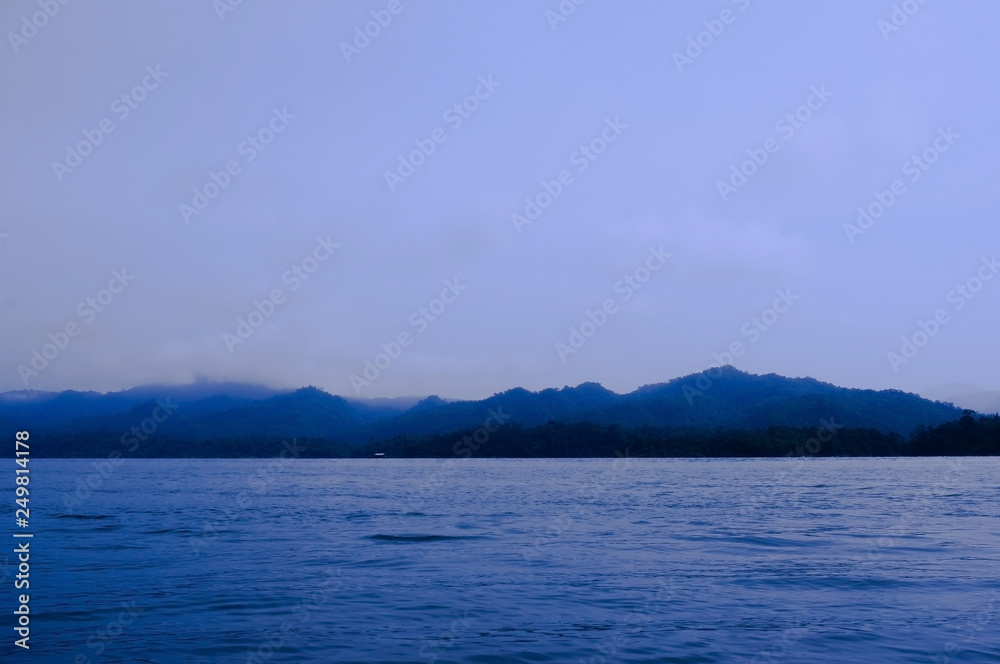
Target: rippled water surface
{"type": "Point", "coordinates": [653, 560]}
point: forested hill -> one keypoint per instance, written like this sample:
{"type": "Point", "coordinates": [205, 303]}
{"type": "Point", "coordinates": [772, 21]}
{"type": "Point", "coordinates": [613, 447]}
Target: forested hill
{"type": "Point", "coordinates": [723, 398]}
{"type": "Point", "coordinates": [967, 436]}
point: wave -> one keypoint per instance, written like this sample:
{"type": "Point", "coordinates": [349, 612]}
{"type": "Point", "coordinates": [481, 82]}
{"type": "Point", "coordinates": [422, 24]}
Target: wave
{"type": "Point", "coordinates": [420, 538]}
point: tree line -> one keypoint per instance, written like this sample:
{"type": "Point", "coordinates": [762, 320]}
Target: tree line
{"type": "Point", "coordinates": [967, 436]}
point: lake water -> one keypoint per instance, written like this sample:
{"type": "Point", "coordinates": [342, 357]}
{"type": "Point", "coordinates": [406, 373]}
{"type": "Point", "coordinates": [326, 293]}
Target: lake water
{"type": "Point", "coordinates": [483, 561]}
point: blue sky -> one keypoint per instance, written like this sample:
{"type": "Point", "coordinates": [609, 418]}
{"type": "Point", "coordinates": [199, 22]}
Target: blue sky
{"type": "Point", "coordinates": [642, 139]}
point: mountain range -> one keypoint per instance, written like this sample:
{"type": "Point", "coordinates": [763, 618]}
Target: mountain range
{"type": "Point", "coordinates": [721, 398]}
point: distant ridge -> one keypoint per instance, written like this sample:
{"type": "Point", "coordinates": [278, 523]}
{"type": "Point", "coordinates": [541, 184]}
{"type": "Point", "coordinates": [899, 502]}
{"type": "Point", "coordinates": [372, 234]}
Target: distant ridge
{"type": "Point", "coordinates": [966, 396]}
{"type": "Point", "coordinates": [719, 398]}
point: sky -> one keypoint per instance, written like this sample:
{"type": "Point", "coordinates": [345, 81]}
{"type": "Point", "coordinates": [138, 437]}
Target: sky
{"type": "Point", "coordinates": [477, 196]}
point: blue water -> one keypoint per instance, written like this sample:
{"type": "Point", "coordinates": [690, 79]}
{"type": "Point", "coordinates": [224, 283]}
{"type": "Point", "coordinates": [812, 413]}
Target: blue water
{"type": "Point", "coordinates": [482, 561]}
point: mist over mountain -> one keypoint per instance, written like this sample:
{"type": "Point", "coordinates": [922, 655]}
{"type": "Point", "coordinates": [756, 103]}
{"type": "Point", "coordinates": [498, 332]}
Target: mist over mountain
{"type": "Point", "coordinates": [968, 396]}
{"type": "Point", "coordinates": [50, 408]}
{"type": "Point", "coordinates": [722, 398]}
{"type": "Point", "coordinates": [982, 402]}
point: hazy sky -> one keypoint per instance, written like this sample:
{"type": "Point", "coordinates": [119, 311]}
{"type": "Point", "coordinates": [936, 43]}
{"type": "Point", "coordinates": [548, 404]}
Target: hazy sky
{"type": "Point", "coordinates": [309, 117]}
